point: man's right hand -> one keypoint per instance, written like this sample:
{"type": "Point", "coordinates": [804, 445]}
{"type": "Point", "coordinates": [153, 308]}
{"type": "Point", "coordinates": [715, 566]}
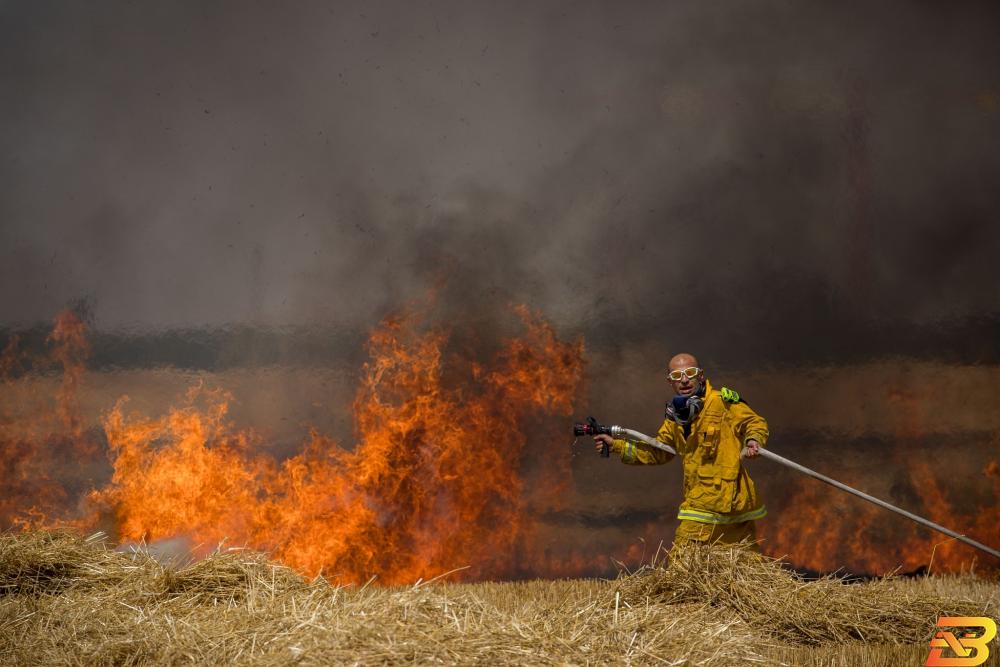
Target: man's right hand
{"type": "Point", "coordinates": [601, 440]}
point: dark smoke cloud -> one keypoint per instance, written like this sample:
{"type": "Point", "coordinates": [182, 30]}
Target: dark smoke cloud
{"type": "Point", "coordinates": [765, 182]}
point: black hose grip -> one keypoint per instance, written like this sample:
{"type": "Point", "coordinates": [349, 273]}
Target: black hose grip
{"type": "Point", "coordinates": [592, 427]}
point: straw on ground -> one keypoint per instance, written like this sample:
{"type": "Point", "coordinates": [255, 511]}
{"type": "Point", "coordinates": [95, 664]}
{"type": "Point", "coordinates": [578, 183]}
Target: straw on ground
{"type": "Point", "coordinates": [65, 600]}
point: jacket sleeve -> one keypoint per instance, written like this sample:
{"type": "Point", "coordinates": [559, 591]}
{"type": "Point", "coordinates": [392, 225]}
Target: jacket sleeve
{"type": "Point", "coordinates": [747, 424]}
{"type": "Point", "coordinates": [639, 453]}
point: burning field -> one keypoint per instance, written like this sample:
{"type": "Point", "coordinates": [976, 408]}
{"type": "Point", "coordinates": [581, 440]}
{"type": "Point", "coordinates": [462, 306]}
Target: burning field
{"type": "Point", "coordinates": [210, 545]}
{"type": "Point", "coordinates": [459, 458]}
{"type": "Point", "coordinates": [299, 303]}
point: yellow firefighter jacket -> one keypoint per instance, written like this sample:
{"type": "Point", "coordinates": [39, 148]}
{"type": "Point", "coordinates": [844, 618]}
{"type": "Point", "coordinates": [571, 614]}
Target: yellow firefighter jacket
{"type": "Point", "coordinates": [717, 488]}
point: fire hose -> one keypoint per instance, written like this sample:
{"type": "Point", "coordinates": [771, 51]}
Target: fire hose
{"type": "Point", "coordinates": [591, 427]}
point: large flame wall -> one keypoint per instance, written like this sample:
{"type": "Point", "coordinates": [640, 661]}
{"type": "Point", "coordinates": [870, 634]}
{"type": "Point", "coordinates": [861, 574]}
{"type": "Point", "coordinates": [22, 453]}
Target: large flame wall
{"type": "Point", "coordinates": [459, 460]}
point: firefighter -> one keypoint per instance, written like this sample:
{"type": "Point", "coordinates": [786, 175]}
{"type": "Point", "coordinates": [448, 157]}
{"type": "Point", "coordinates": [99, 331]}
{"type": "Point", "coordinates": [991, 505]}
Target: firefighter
{"type": "Point", "coordinates": [712, 430]}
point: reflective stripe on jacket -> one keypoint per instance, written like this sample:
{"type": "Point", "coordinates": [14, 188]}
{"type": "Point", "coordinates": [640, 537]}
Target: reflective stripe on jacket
{"type": "Point", "coordinates": [717, 488]}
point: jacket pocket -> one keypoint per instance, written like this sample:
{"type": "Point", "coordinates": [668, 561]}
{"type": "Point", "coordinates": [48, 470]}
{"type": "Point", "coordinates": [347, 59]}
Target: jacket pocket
{"type": "Point", "coordinates": [714, 488]}
{"type": "Point", "coordinates": [708, 441]}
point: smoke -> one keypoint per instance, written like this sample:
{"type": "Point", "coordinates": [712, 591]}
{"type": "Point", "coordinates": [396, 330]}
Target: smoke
{"type": "Point", "coordinates": [719, 172]}
{"type": "Point", "coordinates": [774, 187]}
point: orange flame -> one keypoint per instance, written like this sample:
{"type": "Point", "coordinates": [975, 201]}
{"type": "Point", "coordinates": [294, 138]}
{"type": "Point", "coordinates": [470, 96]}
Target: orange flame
{"type": "Point", "coordinates": [30, 493]}
{"type": "Point", "coordinates": [433, 482]}
{"type": "Point", "coordinates": [826, 530]}
{"type": "Point", "coordinates": [71, 350]}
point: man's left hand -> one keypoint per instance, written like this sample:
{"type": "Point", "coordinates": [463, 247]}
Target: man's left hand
{"type": "Point", "coordinates": [752, 450]}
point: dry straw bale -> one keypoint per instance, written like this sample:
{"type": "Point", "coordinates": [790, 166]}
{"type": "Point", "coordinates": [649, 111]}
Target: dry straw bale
{"type": "Point", "coordinates": [43, 562]}
{"type": "Point", "coordinates": [231, 575]}
{"type": "Point", "coordinates": [771, 598]}
{"type": "Point", "coordinates": [68, 601]}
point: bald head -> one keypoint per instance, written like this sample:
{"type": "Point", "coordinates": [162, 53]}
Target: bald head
{"type": "Point", "coordinates": [685, 385]}
{"type": "Point", "coordinates": [681, 361]}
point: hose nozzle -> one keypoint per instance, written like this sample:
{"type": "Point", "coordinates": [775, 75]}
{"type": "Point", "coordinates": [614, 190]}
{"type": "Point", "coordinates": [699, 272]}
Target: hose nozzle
{"type": "Point", "coordinates": [592, 427]}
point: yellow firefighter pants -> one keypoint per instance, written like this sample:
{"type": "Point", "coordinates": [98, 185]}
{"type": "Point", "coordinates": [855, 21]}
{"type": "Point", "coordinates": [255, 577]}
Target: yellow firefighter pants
{"type": "Point", "coordinates": [726, 533]}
